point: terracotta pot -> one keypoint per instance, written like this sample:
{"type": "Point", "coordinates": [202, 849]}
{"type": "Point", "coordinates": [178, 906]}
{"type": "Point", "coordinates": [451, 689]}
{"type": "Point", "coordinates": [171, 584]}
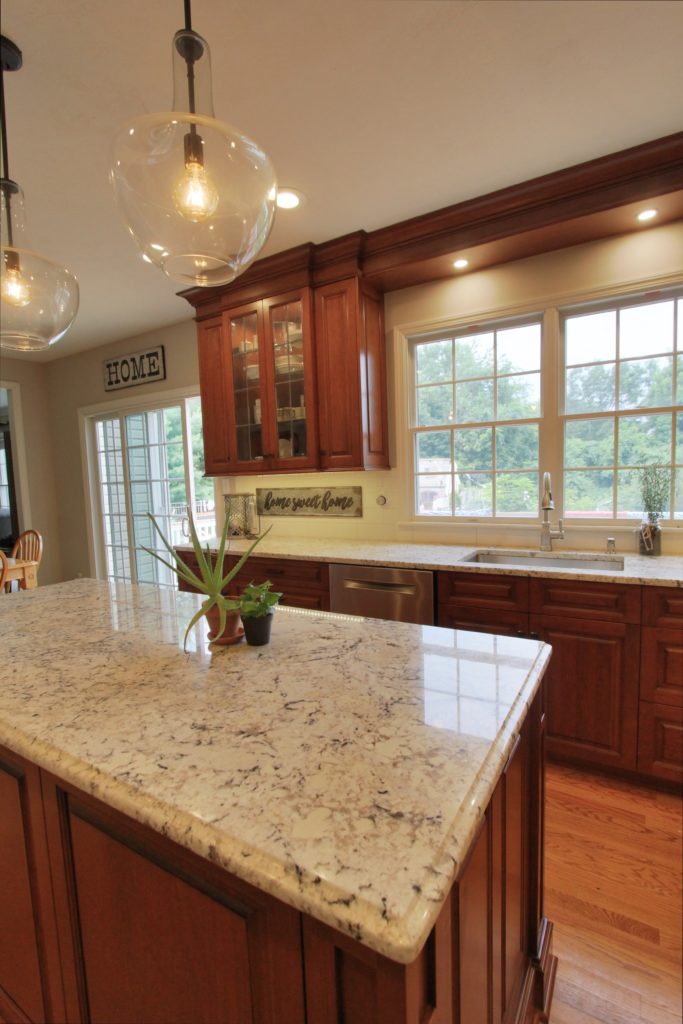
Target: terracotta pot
{"type": "Point", "coordinates": [257, 629]}
{"type": "Point", "coordinates": [233, 632]}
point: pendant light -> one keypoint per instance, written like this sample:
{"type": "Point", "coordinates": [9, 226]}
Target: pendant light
{"type": "Point", "coordinates": [197, 195]}
{"type": "Point", "coordinates": [38, 298]}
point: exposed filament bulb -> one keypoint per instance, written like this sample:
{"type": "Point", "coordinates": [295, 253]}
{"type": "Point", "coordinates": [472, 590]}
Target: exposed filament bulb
{"type": "Point", "coordinates": [15, 289]}
{"type": "Point", "coordinates": [195, 196]}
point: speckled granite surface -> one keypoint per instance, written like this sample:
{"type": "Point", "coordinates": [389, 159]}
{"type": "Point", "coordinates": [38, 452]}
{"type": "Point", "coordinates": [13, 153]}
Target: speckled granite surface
{"type": "Point", "coordinates": [343, 768]}
{"type": "Point", "coordinates": [663, 570]}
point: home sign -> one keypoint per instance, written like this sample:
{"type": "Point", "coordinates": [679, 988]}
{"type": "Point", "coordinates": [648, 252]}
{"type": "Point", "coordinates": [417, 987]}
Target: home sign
{"type": "Point", "coordinates": [138, 368]}
{"type": "Point", "coordinates": [309, 501]}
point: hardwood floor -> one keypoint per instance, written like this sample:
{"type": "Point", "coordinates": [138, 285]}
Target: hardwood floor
{"type": "Point", "coordinates": [614, 856]}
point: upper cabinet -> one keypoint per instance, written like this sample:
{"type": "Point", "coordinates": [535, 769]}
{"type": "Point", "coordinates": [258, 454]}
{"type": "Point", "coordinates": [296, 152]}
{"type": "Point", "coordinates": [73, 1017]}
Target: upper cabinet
{"type": "Point", "coordinates": [292, 380]}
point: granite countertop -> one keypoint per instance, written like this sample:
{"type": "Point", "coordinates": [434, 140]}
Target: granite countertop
{"type": "Point", "coordinates": [344, 768]}
{"type": "Point", "coordinates": [662, 570]}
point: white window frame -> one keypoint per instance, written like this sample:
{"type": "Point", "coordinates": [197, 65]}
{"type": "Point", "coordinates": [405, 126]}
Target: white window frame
{"type": "Point", "coordinates": [551, 437]}
{"type": "Point", "coordinates": [87, 418]}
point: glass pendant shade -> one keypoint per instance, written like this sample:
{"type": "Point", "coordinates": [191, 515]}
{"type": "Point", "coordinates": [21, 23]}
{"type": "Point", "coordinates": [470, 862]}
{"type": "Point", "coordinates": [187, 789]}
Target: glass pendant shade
{"type": "Point", "coordinates": [197, 195]}
{"type": "Point", "coordinates": [38, 298]}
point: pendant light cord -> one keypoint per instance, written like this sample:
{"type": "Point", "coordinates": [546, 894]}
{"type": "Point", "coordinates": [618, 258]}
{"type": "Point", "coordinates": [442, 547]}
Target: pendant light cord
{"type": "Point", "coordinates": [190, 64]}
{"type": "Point", "coordinates": [6, 189]}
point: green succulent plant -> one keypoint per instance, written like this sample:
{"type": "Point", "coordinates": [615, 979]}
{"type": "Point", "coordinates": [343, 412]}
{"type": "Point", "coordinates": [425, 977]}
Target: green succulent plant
{"type": "Point", "coordinates": [209, 580]}
{"type": "Point", "coordinates": [258, 600]}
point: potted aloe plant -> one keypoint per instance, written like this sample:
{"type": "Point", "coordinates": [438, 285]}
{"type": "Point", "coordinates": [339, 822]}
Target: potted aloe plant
{"type": "Point", "coordinates": [221, 611]}
{"type": "Point", "coordinates": [257, 604]}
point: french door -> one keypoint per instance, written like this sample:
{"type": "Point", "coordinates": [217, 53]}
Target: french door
{"type": "Point", "coordinates": [149, 460]}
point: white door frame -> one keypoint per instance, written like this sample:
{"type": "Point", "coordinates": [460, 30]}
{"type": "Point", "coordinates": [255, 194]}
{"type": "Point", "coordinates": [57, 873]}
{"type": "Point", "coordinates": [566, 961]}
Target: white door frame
{"type": "Point", "coordinates": [86, 417]}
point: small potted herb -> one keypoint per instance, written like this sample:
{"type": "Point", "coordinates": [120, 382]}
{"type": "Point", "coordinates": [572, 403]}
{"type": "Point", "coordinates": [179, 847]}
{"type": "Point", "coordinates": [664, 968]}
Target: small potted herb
{"type": "Point", "coordinates": [257, 604]}
{"type": "Point", "coordinates": [655, 486]}
{"type": "Point", "coordinates": [221, 611]}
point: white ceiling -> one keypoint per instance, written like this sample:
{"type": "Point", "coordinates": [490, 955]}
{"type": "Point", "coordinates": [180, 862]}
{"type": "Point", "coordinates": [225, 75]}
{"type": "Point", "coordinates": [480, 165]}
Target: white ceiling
{"type": "Point", "coordinates": [378, 110]}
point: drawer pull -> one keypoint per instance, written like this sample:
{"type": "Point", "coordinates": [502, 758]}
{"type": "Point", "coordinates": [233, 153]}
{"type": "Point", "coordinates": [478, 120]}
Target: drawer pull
{"type": "Point", "coordinates": [395, 588]}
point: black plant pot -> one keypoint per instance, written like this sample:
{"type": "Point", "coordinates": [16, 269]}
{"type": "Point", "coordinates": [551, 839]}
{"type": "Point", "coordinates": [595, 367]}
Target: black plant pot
{"type": "Point", "coordinates": [257, 629]}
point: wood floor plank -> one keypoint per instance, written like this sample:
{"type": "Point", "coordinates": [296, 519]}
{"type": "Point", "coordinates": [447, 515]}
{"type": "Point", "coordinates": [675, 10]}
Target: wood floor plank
{"type": "Point", "coordinates": [614, 890]}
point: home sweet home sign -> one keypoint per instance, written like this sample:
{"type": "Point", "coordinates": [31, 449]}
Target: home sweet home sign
{"type": "Point", "coordinates": [309, 501]}
{"type": "Point", "coordinates": [138, 368]}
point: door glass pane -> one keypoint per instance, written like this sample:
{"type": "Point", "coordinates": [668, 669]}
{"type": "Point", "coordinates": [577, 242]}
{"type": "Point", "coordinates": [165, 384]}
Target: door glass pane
{"type": "Point", "coordinates": [286, 323]}
{"type": "Point", "coordinates": [247, 390]}
{"type": "Point", "coordinates": [113, 498]}
{"type": "Point", "coordinates": [156, 468]}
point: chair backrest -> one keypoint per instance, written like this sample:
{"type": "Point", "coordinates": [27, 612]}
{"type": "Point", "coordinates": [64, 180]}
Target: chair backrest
{"type": "Point", "coordinates": [28, 546]}
{"type": "Point", "coordinates": [4, 566]}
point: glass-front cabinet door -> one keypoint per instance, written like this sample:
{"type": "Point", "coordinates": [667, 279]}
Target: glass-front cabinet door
{"type": "Point", "coordinates": [246, 352]}
{"type": "Point", "coordinates": [294, 440]}
{"type": "Point", "coordinates": [271, 373]}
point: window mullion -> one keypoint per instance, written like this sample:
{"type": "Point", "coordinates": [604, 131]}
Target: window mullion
{"type": "Point", "coordinates": [128, 500]}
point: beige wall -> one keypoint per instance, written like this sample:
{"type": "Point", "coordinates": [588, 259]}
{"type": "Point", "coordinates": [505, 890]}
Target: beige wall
{"type": "Point", "coordinates": [54, 392]}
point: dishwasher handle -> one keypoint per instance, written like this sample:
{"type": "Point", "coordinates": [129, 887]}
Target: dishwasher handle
{"type": "Point", "coordinates": [394, 588]}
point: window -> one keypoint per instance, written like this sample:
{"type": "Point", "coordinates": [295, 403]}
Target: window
{"type": "Point", "coordinates": [623, 390]}
{"type": "Point", "coordinates": [149, 460]}
{"type": "Point", "coordinates": [610, 374]}
{"type": "Point", "coordinates": [477, 409]}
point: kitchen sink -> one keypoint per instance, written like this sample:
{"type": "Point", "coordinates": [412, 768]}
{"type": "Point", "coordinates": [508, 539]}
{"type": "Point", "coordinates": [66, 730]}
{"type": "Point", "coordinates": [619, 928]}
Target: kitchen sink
{"type": "Point", "coordinates": [541, 560]}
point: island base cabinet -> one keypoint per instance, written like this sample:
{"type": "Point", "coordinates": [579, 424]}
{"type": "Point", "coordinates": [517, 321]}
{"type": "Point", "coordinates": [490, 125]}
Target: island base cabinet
{"type": "Point", "coordinates": [112, 923]}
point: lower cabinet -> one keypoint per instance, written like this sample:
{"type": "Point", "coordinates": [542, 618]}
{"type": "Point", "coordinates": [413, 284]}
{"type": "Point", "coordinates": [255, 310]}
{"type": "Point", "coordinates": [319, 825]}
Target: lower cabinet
{"type": "Point", "coordinates": [615, 681]}
{"type": "Point", "coordinates": [302, 583]}
{"type": "Point", "coordinates": [110, 923]}
{"type": "Point", "coordinates": [592, 689]}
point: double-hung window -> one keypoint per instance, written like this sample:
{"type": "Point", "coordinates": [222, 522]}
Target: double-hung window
{"type": "Point", "coordinates": [623, 392]}
{"type": "Point", "coordinates": [475, 420]}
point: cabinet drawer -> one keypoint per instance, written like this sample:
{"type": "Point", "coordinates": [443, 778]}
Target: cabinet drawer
{"type": "Point", "coordinates": [462, 590]}
{"type": "Point", "coordinates": [312, 575]}
{"type": "Point", "coordinates": [501, 623]}
{"type": "Point", "coordinates": [663, 606]}
{"type": "Point", "coordinates": [660, 741]}
{"type": "Point", "coordinates": [607, 602]}
{"type": "Point", "coordinates": [661, 666]}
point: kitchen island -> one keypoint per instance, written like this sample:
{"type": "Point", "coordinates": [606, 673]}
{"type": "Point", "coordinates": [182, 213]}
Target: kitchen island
{"type": "Point", "coordinates": [345, 825]}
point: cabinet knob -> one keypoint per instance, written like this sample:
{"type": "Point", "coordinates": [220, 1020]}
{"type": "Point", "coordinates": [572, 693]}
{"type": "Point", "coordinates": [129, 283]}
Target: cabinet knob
{"type": "Point", "coordinates": [534, 635]}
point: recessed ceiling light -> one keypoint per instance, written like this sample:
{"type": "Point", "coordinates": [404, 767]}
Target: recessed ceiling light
{"type": "Point", "coordinates": [461, 264]}
{"type": "Point", "coordinates": [289, 198]}
{"type": "Point", "coordinates": [647, 214]}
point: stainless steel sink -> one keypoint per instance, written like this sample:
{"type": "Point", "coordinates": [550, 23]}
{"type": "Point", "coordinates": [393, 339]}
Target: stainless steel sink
{"type": "Point", "coordinates": [540, 560]}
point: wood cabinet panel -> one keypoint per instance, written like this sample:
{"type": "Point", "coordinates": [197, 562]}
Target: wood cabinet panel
{"type": "Point", "coordinates": [663, 606]}
{"type": "Point", "coordinates": [20, 973]}
{"type": "Point", "coordinates": [661, 666]}
{"type": "Point", "coordinates": [482, 621]}
{"type": "Point", "coordinates": [485, 590]}
{"type": "Point", "coordinates": [660, 741]}
{"type": "Point", "coordinates": [592, 689]}
{"type": "Point", "coordinates": [608, 602]}
{"type": "Point", "coordinates": [215, 389]}
{"type": "Point", "coordinates": [31, 988]}
{"type": "Point", "coordinates": [351, 365]}
{"type": "Point", "coordinates": [159, 934]}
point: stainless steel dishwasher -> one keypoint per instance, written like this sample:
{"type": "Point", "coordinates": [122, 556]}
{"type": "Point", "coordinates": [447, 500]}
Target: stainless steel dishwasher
{"type": "Point", "coordinates": [402, 595]}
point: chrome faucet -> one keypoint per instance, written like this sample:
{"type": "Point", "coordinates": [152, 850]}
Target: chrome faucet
{"type": "Point", "coordinates": [547, 505]}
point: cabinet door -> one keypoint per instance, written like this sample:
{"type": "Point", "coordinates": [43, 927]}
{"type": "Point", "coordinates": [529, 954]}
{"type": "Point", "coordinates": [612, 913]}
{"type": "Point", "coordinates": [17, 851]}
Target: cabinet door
{"type": "Point", "coordinates": [159, 935]}
{"type": "Point", "coordinates": [249, 396]}
{"type": "Point", "coordinates": [661, 665]}
{"type": "Point", "coordinates": [660, 741]}
{"type": "Point", "coordinates": [215, 387]}
{"type": "Point", "coordinates": [351, 377]}
{"type": "Point", "coordinates": [30, 978]}
{"type": "Point", "coordinates": [592, 689]}
{"type": "Point", "coordinates": [483, 602]}
{"type": "Point", "coordinates": [339, 397]}
{"type": "Point", "coordinates": [291, 432]}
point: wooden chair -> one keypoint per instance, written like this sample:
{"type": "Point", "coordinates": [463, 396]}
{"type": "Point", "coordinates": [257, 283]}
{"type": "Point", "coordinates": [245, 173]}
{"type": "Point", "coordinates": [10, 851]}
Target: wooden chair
{"type": "Point", "coordinates": [28, 546]}
{"type": "Point", "coordinates": [4, 566]}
